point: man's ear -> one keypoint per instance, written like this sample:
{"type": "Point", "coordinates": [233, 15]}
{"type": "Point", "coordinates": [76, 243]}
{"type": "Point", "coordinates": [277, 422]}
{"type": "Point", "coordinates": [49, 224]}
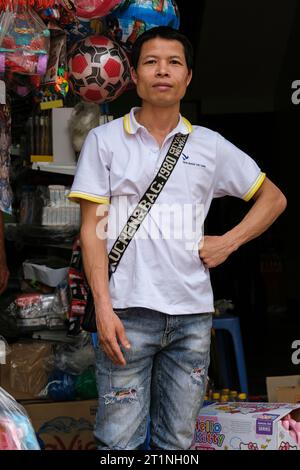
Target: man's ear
{"type": "Point", "coordinates": [133, 75]}
{"type": "Point", "coordinates": [189, 77]}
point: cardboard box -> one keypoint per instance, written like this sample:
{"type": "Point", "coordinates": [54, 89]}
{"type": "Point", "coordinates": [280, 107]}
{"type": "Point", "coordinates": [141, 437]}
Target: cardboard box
{"type": "Point", "coordinates": [25, 373]}
{"type": "Point", "coordinates": [283, 389]}
{"type": "Point", "coordinates": [289, 394]}
{"type": "Point", "coordinates": [245, 426]}
{"type": "Point", "coordinates": [64, 425]}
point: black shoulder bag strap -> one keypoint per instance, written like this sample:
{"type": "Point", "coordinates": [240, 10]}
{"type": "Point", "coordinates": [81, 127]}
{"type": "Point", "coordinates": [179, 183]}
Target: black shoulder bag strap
{"type": "Point", "coordinates": [135, 220]}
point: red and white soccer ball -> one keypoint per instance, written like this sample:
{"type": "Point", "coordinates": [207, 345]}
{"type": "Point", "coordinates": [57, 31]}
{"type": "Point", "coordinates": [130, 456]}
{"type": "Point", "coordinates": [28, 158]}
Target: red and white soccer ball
{"type": "Point", "coordinates": [99, 69]}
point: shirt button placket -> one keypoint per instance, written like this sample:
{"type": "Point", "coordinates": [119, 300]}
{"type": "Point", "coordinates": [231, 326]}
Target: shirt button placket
{"type": "Point", "coordinates": [158, 162]}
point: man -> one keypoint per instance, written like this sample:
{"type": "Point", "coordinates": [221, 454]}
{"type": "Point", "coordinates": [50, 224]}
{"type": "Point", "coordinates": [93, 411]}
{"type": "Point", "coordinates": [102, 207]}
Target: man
{"type": "Point", "coordinates": [154, 315]}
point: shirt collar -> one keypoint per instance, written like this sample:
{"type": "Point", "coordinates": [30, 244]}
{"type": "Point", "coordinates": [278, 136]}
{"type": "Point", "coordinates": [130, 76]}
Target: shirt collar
{"type": "Point", "coordinates": [131, 125]}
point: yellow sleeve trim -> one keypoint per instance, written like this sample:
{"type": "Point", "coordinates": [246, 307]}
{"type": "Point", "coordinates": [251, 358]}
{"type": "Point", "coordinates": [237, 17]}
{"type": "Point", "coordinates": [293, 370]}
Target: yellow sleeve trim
{"type": "Point", "coordinates": [188, 124]}
{"type": "Point", "coordinates": [257, 184]}
{"type": "Point", "coordinates": [75, 196]}
{"type": "Point", "coordinates": [126, 122]}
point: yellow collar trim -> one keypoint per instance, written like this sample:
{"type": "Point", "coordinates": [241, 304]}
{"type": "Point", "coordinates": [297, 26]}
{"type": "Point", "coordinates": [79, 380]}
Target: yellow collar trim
{"type": "Point", "coordinates": [188, 124]}
{"type": "Point", "coordinates": [127, 126]}
{"type": "Point", "coordinates": [126, 123]}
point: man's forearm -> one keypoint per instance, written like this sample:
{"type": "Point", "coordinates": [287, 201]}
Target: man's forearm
{"type": "Point", "coordinates": [95, 262]}
{"type": "Point", "coordinates": [260, 217]}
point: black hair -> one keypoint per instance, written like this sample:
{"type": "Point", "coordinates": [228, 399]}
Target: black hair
{"type": "Point", "coordinates": [164, 32]}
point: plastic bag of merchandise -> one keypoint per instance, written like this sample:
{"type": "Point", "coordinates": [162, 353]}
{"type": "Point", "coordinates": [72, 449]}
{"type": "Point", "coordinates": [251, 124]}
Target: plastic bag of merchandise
{"type": "Point", "coordinates": [8, 321]}
{"type": "Point", "coordinates": [27, 368]}
{"type": "Point", "coordinates": [31, 310]}
{"type": "Point", "coordinates": [85, 385]}
{"type": "Point", "coordinates": [39, 311]}
{"type": "Point", "coordinates": [24, 40]}
{"type": "Point", "coordinates": [50, 271]}
{"type": "Point", "coordinates": [60, 387]}
{"type": "Point", "coordinates": [16, 432]}
{"type": "Point", "coordinates": [75, 358]}
{"type": "Point", "coordinates": [4, 350]}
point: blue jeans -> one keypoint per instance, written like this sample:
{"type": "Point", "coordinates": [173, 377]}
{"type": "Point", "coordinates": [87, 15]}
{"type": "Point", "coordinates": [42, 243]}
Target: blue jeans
{"type": "Point", "coordinates": [165, 378]}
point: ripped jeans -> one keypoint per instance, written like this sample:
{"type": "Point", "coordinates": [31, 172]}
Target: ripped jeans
{"type": "Point", "coordinates": [164, 378]}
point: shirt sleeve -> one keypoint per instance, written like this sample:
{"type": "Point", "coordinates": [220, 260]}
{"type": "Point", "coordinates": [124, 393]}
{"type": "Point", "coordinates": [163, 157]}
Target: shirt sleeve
{"type": "Point", "coordinates": [237, 174]}
{"type": "Point", "coordinates": [91, 181]}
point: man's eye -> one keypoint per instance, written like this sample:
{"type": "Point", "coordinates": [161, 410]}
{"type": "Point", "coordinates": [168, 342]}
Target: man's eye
{"type": "Point", "coordinates": [174, 61]}
{"type": "Point", "coordinates": [151, 61]}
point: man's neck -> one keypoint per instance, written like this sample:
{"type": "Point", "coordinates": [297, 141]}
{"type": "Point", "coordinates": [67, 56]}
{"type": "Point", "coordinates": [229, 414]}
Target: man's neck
{"type": "Point", "coordinates": [158, 121]}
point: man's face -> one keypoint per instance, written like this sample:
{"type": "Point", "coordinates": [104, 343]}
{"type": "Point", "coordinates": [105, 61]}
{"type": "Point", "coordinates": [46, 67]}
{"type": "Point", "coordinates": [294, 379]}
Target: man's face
{"type": "Point", "coordinates": [162, 75]}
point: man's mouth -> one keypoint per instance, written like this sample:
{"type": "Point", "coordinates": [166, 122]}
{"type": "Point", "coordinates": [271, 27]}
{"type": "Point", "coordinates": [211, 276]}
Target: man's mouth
{"type": "Point", "coordinates": [162, 86]}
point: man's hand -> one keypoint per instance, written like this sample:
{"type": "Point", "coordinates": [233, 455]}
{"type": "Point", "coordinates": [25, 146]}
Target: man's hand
{"type": "Point", "coordinates": [4, 275]}
{"type": "Point", "coordinates": [214, 250]}
{"type": "Point", "coordinates": [110, 330]}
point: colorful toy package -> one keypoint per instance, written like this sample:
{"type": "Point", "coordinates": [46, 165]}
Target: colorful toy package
{"type": "Point", "coordinates": [24, 41]}
{"type": "Point", "coordinates": [248, 426]}
{"type": "Point", "coordinates": [56, 75]}
{"type": "Point", "coordinates": [16, 432]}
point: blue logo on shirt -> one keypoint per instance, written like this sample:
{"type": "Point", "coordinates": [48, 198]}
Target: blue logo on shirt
{"type": "Point", "coordinates": [186, 157]}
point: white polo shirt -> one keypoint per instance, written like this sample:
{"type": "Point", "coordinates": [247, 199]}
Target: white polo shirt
{"type": "Point", "coordinates": [161, 268]}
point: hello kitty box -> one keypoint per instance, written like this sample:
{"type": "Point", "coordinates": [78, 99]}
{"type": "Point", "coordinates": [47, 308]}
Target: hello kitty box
{"type": "Point", "coordinates": [248, 426]}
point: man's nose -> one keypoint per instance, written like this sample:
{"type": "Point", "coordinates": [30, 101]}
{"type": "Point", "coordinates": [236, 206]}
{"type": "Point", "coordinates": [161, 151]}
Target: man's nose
{"type": "Point", "coordinates": [162, 70]}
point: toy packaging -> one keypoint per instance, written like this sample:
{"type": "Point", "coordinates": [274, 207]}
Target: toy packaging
{"type": "Point", "coordinates": [16, 432]}
{"type": "Point", "coordinates": [24, 42]}
{"type": "Point", "coordinates": [248, 426]}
